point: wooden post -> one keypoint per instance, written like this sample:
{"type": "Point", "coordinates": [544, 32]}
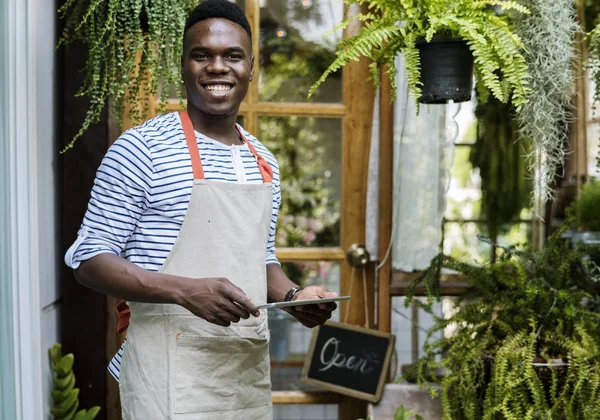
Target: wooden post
{"type": "Point", "coordinates": [359, 97]}
{"type": "Point", "coordinates": [386, 183]}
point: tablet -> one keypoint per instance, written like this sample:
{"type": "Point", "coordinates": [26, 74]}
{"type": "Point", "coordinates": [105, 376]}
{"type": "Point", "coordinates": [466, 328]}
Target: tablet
{"type": "Point", "coordinates": [301, 302]}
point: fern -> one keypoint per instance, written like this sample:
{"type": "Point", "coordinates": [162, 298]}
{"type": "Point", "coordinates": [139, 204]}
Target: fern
{"type": "Point", "coordinates": [499, 62]}
{"type": "Point", "coordinates": [528, 307]}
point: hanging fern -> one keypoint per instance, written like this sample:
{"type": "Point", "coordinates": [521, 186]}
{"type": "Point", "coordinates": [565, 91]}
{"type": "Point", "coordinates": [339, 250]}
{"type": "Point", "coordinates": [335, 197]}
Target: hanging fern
{"type": "Point", "coordinates": [525, 345]}
{"type": "Point", "coordinates": [548, 32]}
{"type": "Point", "coordinates": [133, 44]}
{"type": "Point", "coordinates": [394, 26]}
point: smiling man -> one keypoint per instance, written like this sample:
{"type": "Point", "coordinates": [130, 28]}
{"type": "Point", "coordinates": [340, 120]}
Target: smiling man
{"type": "Point", "coordinates": [181, 223]}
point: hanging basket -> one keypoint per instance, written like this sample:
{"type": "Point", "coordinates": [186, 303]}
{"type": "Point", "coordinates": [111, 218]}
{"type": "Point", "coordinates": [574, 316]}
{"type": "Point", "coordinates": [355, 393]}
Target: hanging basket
{"type": "Point", "coordinates": [446, 71]}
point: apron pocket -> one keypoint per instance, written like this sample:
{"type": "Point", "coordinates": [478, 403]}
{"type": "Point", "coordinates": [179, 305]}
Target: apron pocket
{"type": "Point", "coordinates": [221, 374]}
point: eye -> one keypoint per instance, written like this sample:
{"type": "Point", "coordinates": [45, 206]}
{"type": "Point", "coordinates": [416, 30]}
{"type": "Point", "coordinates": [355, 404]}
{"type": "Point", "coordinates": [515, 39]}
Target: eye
{"type": "Point", "coordinates": [236, 57]}
{"type": "Point", "coordinates": [199, 56]}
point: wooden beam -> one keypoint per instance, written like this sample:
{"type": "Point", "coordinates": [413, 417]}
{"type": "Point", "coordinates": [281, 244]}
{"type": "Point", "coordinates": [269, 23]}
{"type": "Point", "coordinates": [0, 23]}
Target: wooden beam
{"type": "Point", "coordinates": [279, 109]}
{"type": "Point", "coordinates": [310, 254]}
{"type": "Point", "coordinates": [300, 397]}
{"type": "Point", "coordinates": [386, 175]}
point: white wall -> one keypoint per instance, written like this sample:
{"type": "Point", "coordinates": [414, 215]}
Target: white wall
{"type": "Point", "coordinates": [47, 183]}
{"type": "Point", "coordinates": [28, 190]}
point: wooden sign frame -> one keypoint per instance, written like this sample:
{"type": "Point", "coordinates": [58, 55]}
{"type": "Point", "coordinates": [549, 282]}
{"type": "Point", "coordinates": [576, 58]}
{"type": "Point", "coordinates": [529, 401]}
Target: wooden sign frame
{"type": "Point", "coordinates": [341, 389]}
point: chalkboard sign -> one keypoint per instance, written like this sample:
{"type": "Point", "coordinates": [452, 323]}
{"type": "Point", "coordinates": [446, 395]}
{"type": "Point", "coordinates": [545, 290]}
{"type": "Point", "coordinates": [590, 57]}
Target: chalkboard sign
{"type": "Point", "coordinates": [349, 360]}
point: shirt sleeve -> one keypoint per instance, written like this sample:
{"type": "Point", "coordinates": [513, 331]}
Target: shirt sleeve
{"type": "Point", "coordinates": [121, 192]}
{"type": "Point", "coordinates": [271, 257]}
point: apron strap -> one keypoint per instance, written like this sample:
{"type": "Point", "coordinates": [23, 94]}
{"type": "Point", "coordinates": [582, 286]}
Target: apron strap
{"type": "Point", "coordinates": [263, 166]}
{"type": "Point", "coordinates": [190, 137]}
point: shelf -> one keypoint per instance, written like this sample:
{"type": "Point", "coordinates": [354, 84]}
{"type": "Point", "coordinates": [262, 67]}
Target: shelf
{"type": "Point", "coordinates": [301, 397]}
{"type": "Point", "coordinates": [452, 283]}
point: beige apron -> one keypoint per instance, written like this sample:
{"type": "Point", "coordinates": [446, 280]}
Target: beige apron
{"type": "Point", "coordinates": [178, 366]}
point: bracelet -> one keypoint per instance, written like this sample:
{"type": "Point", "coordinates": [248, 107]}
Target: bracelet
{"type": "Point", "coordinates": [291, 293]}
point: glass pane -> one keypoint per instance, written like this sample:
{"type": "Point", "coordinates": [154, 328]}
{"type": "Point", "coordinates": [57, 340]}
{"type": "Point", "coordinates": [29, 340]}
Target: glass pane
{"type": "Point", "coordinates": [289, 338]}
{"type": "Point", "coordinates": [464, 193]}
{"type": "Point", "coordinates": [461, 241]}
{"type": "Point", "coordinates": [305, 412]}
{"type": "Point", "coordinates": [294, 53]}
{"type": "Point", "coordinates": [514, 234]}
{"type": "Point", "coordinates": [466, 122]}
{"type": "Point", "coordinates": [309, 154]}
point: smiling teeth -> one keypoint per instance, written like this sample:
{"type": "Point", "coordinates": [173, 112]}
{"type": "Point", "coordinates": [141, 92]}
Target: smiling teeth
{"type": "Point", "coordinates": [218, 88]}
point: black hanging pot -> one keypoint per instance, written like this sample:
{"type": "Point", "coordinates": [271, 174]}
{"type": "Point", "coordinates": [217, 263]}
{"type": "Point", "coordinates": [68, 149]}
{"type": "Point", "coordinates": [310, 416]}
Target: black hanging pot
{"type": "Point", "coordinates": [446, 71]}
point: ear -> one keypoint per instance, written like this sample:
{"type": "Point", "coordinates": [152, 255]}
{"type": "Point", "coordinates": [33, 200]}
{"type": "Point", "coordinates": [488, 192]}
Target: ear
{"type": "Point", "coordinates": [252, 67]}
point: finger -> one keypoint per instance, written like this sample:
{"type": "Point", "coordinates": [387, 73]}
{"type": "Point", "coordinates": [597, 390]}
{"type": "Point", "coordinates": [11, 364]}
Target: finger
{"type": "Point", "coordinates": [332, 306]}
{"type": "Point", "coordinates": [236, 311]}
{"type": "Point", "coordinates": [307, 319]}
{"type": "Point", "coordinates": [219, 321]}
{"type": "Point", "coordinates": [237, 295]}
{"type": "Point", "coordinates": [319, 310]}
{"type": "Point", "coordinates": [324, 293]}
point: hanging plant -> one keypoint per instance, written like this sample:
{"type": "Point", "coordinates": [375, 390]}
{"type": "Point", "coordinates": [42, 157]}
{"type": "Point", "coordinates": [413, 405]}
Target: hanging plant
{"type": "Point", "coordinates": [499, 156]}
{"type": "Point", "coordinates": [548, 33]}
{"type": "Point", "coordinates": [392, 27]}
{"type": "Point", "coordinates": [132, 46]}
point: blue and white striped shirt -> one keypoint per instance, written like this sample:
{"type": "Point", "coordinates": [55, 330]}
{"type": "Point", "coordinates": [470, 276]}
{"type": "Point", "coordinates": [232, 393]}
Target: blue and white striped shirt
{"type": "Point", "coordinates": [143, 187]}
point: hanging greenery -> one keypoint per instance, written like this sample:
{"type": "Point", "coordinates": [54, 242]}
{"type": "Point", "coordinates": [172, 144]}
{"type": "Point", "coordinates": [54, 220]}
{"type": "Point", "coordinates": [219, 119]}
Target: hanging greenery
{"type": "Point", "coordinates": [525, 344]}
{"type": "Point", "coordinates": [392, 27]}
{"type": "Point", "coordinates": [499, 156]}
{"type": "Point", "coordinates": [133, 45]}
{"type": "Point", "coordinates": [548, 33]}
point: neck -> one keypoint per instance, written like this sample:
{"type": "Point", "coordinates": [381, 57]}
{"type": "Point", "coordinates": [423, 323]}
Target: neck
{"type": "Point", "coordinates": [218, 127]}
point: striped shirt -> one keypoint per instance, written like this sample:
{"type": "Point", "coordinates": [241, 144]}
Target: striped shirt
{"type": "Point", "coordinates": [143, 187]}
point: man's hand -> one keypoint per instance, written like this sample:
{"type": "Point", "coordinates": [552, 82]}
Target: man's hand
{"type": "Point", "coordinates": [313, 315]}
{"type": "Point", "coordinates": [217, 300]}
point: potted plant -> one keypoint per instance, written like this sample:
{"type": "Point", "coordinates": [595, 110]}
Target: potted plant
{"type": "Point", "coordinates": [525, 344]}
{"type": "Point", "coordinates": [134, 48]}
{"type": "Point", "coordinates": [439, 41]}
{"type": "Point", "coordinates": [64, 394]}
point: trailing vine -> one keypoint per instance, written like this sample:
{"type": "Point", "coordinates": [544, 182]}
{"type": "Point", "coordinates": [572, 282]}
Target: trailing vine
{"type": "Point", "coordinates": [548, 33]}
{"type": "Point", "coordinates": [134, 49]}
{"type": "Point", "coordinates": [499, 156]}
{"type": "Point", "coordinates": [392, 27]}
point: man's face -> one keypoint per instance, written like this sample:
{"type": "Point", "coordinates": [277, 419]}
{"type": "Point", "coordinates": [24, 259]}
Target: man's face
{"type": "Point", "coordinates": [217, 66]}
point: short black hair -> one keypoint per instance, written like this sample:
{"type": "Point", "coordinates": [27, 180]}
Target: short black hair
{"type": "Point", "coordinates": [222, 9]}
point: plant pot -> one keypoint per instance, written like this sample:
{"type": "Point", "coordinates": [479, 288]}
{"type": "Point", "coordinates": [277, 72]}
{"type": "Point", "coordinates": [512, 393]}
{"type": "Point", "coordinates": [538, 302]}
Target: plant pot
{"type": "Point", "coordinates": [411, 396]}
{"type": "Point", "coordinates": [446, 71]}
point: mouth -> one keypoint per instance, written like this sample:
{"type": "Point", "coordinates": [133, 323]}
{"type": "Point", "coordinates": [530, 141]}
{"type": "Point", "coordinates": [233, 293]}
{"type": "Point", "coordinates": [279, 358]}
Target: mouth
{"type": "Point", "coordinates": [218, 89]}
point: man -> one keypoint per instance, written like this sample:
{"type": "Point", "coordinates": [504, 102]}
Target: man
{"type": "Point", "coordinates": [181, 224]}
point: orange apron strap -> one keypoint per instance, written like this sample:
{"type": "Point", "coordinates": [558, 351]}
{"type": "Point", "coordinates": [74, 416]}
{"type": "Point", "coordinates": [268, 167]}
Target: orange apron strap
{"type": "Point", "coordinates": [123, 313]}
{"type": "Point", "coordinates": [263, 166]}
{"type": "Point", "coordinates": [190, 138]}
{"type": "Point", "coordinates": [188, 129]}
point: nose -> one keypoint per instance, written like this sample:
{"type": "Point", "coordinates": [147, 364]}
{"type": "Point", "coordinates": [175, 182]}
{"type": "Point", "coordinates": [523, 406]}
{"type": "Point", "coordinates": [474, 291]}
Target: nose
{"type": "Point", "coordinates": [217, 66]}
